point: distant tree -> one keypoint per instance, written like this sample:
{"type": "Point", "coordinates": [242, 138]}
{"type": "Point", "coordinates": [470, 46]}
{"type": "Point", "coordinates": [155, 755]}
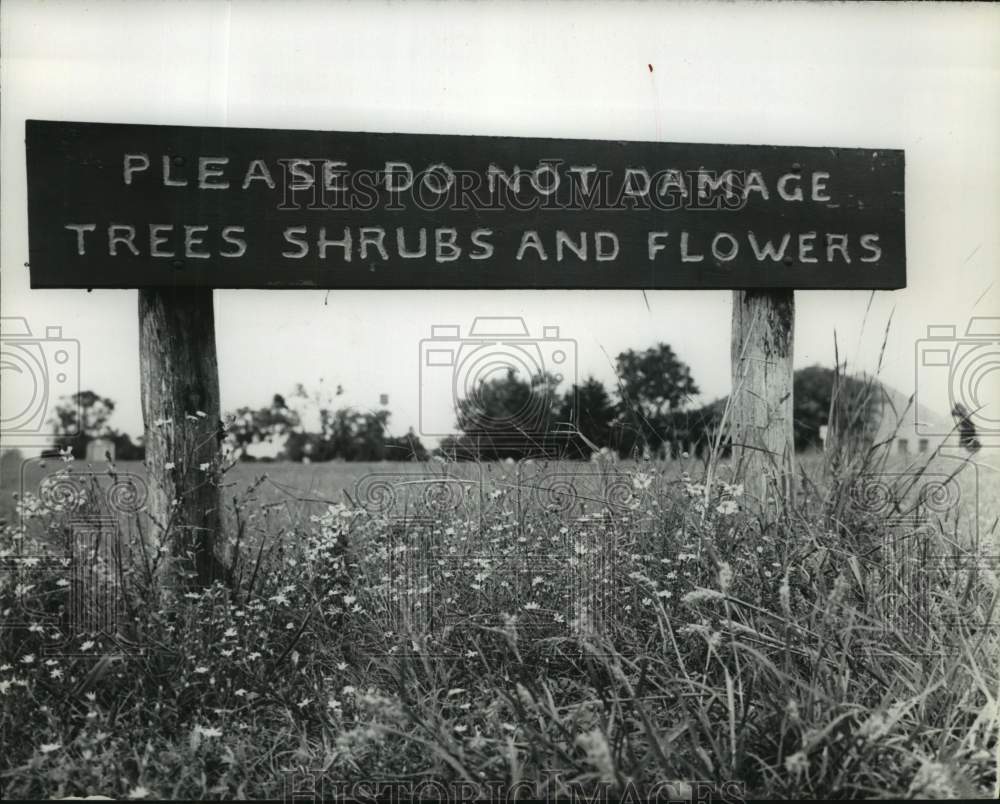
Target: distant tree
{"type": "Point", "coordinates": [651, 384]}
{"type": "Point", "coordinates": [10, 467]}
{"type": "Point", "coordinates": [352, 435]}
{"type": "Point", "coordinates": [405, 448]}
{"type": "Point", "coordinates": [812, 392]}
{"type": "Point", "coordinates": [508, 417]}
{"type": "Point", "coordinates": [125, 448]}
{"type": "Point", "coordinates": [590, 413]}
{"type": "Point", "coordinates": [655, 380]}
{"type": "Point", "coordinates": [272, 423]}
{"type": "Point", "coordinates": [80, 418]}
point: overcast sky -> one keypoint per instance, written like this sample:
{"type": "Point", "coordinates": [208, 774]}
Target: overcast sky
{"type": "Point", "coordinates": [924, 78]}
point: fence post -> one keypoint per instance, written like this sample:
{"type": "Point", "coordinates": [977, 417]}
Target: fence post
{"type": "Point", "coordinates": [761, 409]}
{"type": "Point", "coordinates": [180, 410]}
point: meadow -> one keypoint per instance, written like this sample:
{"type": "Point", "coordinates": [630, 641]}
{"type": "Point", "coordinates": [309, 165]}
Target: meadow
{"type": "Point", "coordinates": [519, 630]}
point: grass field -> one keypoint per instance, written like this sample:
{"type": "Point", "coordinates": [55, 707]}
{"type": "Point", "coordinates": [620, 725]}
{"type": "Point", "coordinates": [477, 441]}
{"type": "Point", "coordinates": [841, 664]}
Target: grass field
{"type": "Point", "coordinates": [607, 629]}
{"type": "Point", "coordinates": [291, 492]}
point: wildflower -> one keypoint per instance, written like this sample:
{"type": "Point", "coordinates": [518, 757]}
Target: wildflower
{"type": "Point", "coordinates": [728, 507]}
{"type": "Point", "coordinates": [532, 606]}
{"type": "Point", "coordinates": [48, 748]}
{"type": "Point", "coordinates": [204, 466]}
{"type": "Point", "coordinates": [792, 708]}
{"type": "Point", "coordinates": [342, 666]}
{"type": "Point", "coordinates": [200, 414]}
{"type": "Point", "coordinates": [785, 594]}
{"type": "Point", "coordinates": [240, 692]}
{"type": "Point", "coordinates": [598, 754]}
{"type": "Point", "coordinates": [933, 780]}
{"type": "Point", "coordinates": [169, 465]}
{"type": "Point", "coordinates": [90, 696]}
{"type": "Point", "coordinates": [28, 658]}
{"type": "Point", "coordinates": [304, 703]}
{"type": "Point", "coordinates": [208, 732]}
{"type": "Point", "coordinates": [725, 576]}
{"type": "Point", "coordinates": [201, 669]}
{"type": "Point", "coordinates": [87, 645]}
{"type": "Point", "coordinates": [138, 792]}
{"type": "Point", "coordinates": [797, 763]}
{"type": "Point", "coordinates": [665, 593]}
{"type": "Point", "coordinates": [700, 595]}
{"type": "Point", "coordinates": [641, 480]}
{"type": "Point", "coordinates": [253, 656]}
{"type": "Point", "coordinates": [35, 628]}
{"type": "Point", "coordinates": [56, 672]}
{"type": "Point", "coordinates": [229, 632]}
{"type": "Point", "coordinates": [62, 582]}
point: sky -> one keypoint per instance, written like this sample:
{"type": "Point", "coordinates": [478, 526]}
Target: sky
{"type": "Point", "coordinates": [920, 77]}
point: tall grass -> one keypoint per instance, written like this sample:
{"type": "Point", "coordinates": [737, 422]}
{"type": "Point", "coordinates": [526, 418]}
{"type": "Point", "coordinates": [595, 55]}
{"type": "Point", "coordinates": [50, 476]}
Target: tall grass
{"type": "Point", "coordinates": [561, 630]}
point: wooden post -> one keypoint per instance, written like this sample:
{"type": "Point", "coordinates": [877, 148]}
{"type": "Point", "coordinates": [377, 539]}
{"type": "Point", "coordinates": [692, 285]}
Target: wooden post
{"type": "Point", "coordinates": [180, 411]}
{"type": "Point", "coordinates": [761, 409]}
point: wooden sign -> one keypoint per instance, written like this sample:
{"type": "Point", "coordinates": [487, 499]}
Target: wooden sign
{"type": "Point", "coordinates": [139, 206]}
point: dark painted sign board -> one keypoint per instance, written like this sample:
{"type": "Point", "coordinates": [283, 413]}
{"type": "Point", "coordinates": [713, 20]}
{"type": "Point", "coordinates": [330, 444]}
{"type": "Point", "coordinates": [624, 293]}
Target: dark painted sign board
{"type": "Point", "coordinates": [131, 206]}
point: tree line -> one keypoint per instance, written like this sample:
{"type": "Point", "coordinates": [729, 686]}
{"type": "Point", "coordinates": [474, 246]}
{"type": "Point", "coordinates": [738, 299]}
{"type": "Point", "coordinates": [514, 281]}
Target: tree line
{"type": "Point", "coordinates": [650, 412]}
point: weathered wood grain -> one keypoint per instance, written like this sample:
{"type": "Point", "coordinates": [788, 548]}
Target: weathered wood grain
{"type": "Point", "coordinates": [180, 409]}
{"type": "Point", "coordinates": [763, 335]}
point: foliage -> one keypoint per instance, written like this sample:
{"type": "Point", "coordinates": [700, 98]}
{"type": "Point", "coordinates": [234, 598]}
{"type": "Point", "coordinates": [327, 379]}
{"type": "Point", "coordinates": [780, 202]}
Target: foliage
{"type": "Point", "coordinates": [765, 656]}
{"type": "Point", "coordinates": [80, 418]}
{"type": "Point", "coordinates": [589, 415]}
{"type": "Point", "coordinates": [813, 390]}
{"type": "Point", "coordinates": [508, 417]}
{"type": "Point", "coordinates": [651, 385]}
{"type": "Point", "coordinates": [271, 423]}
{"type": "Point", "coordinates": [344, 434]}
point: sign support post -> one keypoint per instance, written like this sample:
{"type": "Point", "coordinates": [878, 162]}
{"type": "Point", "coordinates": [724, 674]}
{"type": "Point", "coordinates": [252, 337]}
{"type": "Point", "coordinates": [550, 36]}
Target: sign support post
{"type": "Point", "coordinates": [762, 430]}
{"type": "Point", "coordinates": [181, 416]}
